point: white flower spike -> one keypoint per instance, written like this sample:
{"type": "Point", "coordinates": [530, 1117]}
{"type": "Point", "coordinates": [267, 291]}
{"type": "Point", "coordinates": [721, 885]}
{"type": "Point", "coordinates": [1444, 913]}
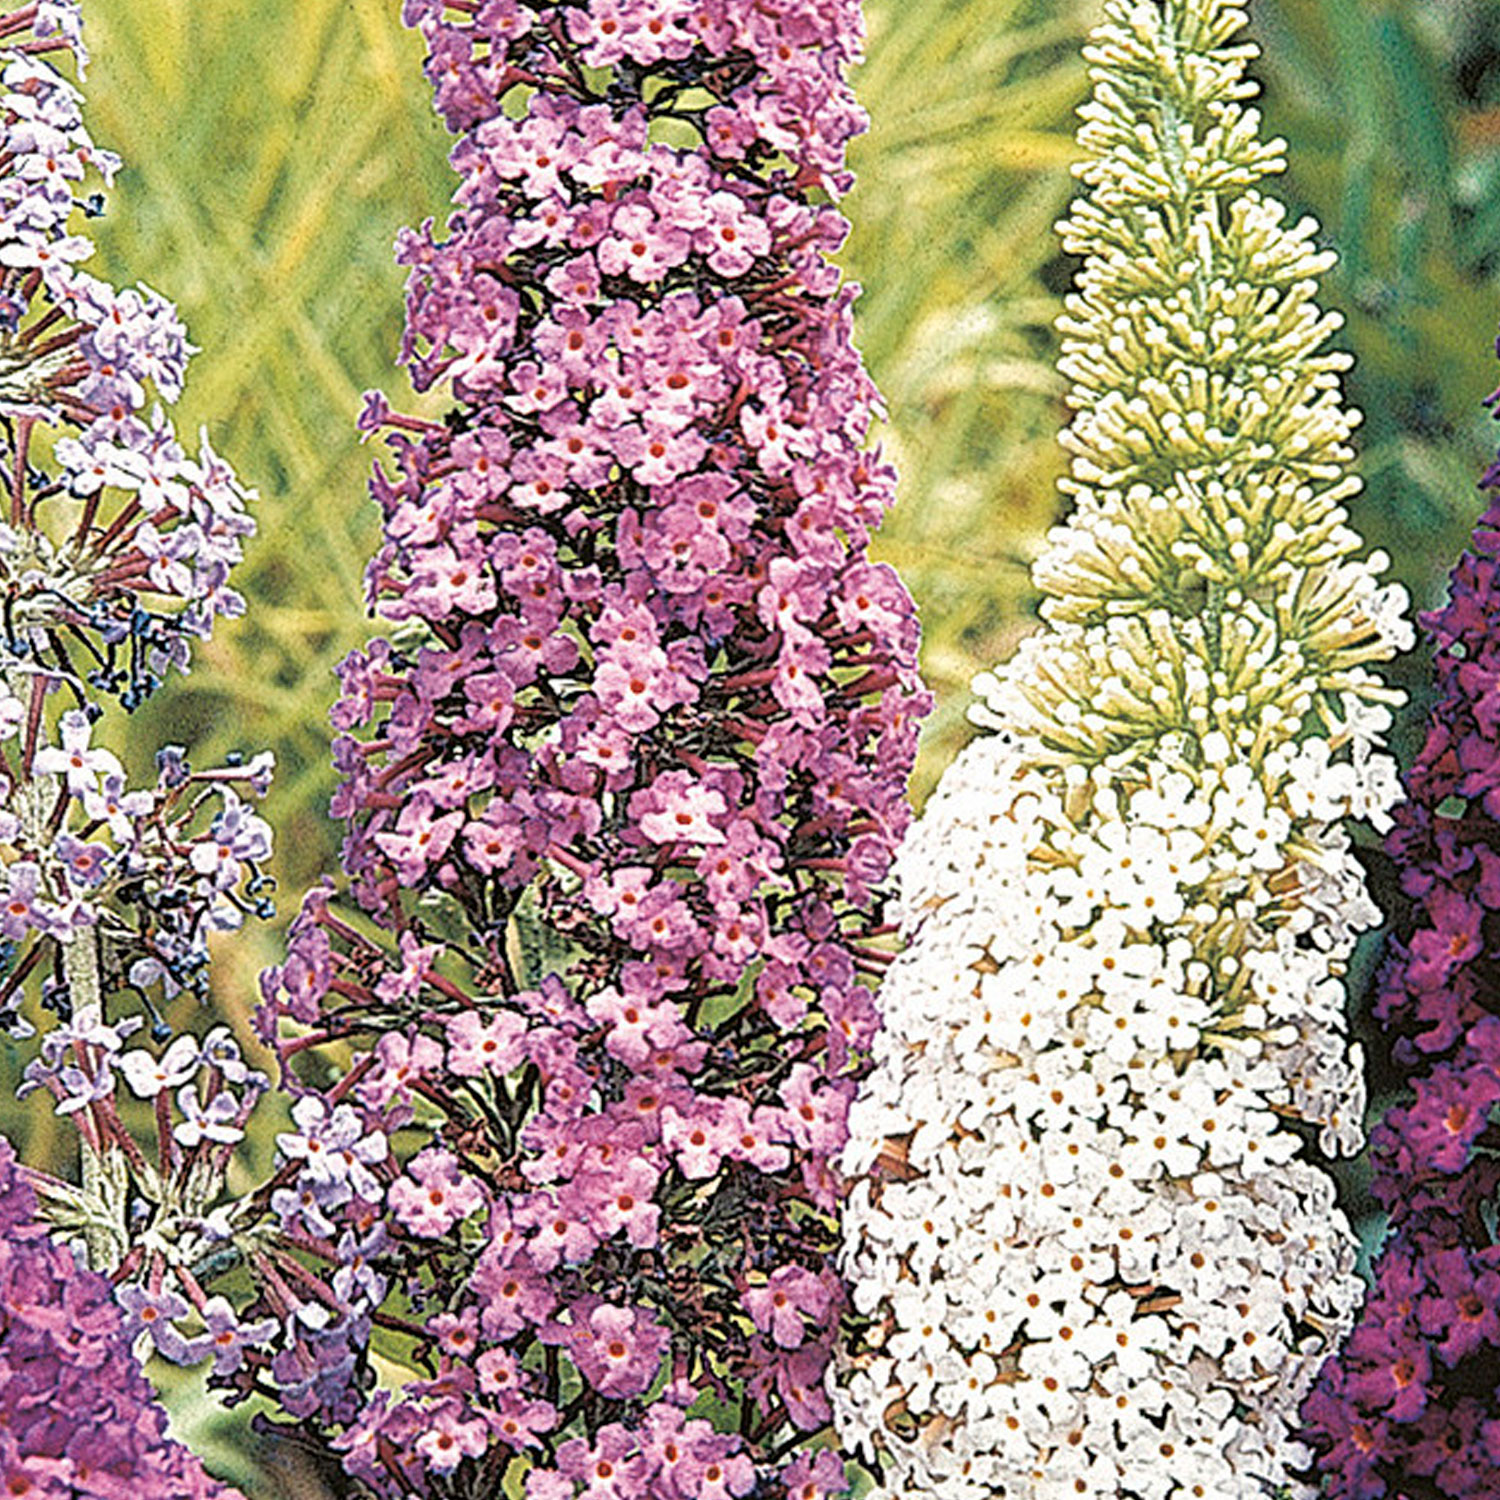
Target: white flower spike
{"type": "Point", "coordinates": [1095, 1246]}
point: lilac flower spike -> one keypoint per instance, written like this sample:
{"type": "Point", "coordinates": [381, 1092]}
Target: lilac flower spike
{"type": "Point", "coordinates": [115, 553]}
{"type": "Point", "coordinates": [116, 549]}
{"type": "Point", "coordinates": [630, 774]}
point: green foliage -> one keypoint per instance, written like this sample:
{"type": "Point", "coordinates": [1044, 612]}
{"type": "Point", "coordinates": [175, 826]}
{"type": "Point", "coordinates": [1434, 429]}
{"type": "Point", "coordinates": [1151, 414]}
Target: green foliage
{"type": "Point", "coordinates": [1392, 106]}
{"type": "Point", "coordinates": [960, 180]}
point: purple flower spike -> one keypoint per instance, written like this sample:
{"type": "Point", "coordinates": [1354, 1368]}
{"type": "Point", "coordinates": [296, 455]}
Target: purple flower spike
{"type": "Point", "coordinates": [1412, 1404]}
{"type": "Point", "coordinates": [77, 1417]}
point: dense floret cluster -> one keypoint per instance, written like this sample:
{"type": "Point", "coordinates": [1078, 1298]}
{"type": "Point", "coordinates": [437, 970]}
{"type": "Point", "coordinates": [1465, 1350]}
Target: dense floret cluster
{"type": "Point", "coordinates": [631, 775]}
{"type": "Point", "coordinates": [115, 552]}
{"type": "Point", "coordinates": [1411, 1407]}
{"type": "Point", "coordinates": [78, 1420]}
{"type": "Point", "coordinates": [1096, 1249]}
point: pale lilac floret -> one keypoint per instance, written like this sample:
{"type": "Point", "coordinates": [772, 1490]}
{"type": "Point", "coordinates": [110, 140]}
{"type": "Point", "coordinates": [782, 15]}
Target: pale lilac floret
{"type": "Point", "coordinates": [237, 836]}
{"type": "Point", "coordinates": [221, 1051]}
{"type": "Point", "coordinates": [156, 1314]}
{"type": "Point", "coordinates": [80, 767]}
{"type": "Point", "coordinates": [85, 862]}
{"type": "Point", "coordinates": [227, 1337]}
{"type": "Point", "coordinates": [218, 1121]}
{"type": "Point", "coordinates": [21, 910]}
{"type": "Point", "coordinates": [334, 1146]}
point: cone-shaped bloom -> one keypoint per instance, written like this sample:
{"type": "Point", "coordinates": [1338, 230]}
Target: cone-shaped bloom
{"type": "Point", "coordinates": [1094, 1247]}
{"type": "Point", "coordinates": [633, 775]}
{"type": "Point", "coordinates": [1411, 1405]}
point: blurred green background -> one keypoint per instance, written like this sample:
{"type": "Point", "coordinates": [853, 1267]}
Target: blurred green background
{"type": "Point", "coordinates": [274, 147]}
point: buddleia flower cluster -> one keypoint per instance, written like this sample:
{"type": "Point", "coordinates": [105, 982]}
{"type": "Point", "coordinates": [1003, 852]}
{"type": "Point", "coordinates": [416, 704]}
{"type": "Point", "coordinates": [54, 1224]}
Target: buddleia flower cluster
{"type": "Point", "coordinates": [78, 1420]}
{"type": "Point", "coordinates": [573, 1057]}
{"type": "Point", "coordinates": [1411, 1405]}
{"type": "Point", "coordinates": [115, 553]}
{"type": "Point", "coordinates": [1092, 1241]}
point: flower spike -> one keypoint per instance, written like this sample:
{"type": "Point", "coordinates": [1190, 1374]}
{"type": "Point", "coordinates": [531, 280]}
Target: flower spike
{"type": "Point", "coordinates": [1093, 1242]}
{"type": "Point", "coordinates": [1416, 1391]}
{"type": "Point", "coordinates": [626, 783]}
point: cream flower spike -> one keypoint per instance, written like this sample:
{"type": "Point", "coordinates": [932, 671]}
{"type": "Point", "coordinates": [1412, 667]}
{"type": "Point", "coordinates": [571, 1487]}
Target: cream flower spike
{"type": "Point", "coordinates": [1096, 1248]}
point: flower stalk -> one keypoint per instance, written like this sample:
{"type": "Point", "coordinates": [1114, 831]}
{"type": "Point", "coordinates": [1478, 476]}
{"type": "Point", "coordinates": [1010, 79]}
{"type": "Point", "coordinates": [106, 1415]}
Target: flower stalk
{"type": "Point", "coordinates": [622, 784]}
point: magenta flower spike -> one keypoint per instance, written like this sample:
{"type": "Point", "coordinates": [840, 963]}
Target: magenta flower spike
{"type": "Point", "coordinates": [1410, 1408]}
{"type": "Point", "coordinates": [622, 787]}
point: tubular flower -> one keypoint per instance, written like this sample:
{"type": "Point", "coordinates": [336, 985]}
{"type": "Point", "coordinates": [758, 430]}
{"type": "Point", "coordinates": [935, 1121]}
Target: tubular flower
{"type": "Point", "coordinates": [1411, 1405]}
{"type": "Point", "coordinates": [1090, 1236]}
{"type": "Point", "coordinates": [631, 775]}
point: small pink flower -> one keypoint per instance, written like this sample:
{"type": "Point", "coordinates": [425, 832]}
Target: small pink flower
{"type": "Point", "coordinates": [618, 1350]}
{"type": "Point", "coordinates": [799, 1379]}
{"type": "Point", "coordinates": [815, 1112]}
{"type": "Point", "coordinates": [564, 1229]}
{"type": "Point", "coordinates": [435, 1195]}
{"type": "Point", "coordinates": [637, 1025]}
{"type": "Point", "coordinates": [754, 1135]}
{"type": "Point", "coordinates": [815, 1476]}
{"type": "Point", "coordinates": [777, 1307]}
{"type": "Point", "coordinates": [520, 1423]}
{"type": "Point", "coordinates": [641, 245]}
{"type": "Point", "coordinates": [477, 1046]}
{"type": "Point", "coordinates": [420, 839]}
{"type": "Point", "coordinates": [628, 1204]}
{"type": "Point", "coordinates": [733, 239]}
{"type": "Point", "coordinates": [400, 1061]}
{"type": "Point", "coordinates": [699, 1141]}
{"type": "Point", "coordinates": [679, 809]}
{"type": "Point", "coordinates": [512, 1294]}
{"type": "Point", "coordinates": [449, 1440]}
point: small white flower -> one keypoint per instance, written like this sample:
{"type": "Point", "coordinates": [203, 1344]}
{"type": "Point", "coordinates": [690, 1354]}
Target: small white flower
{"type": "Point", "coordinates": [79, 766]}
{"type": "Point", "coordinates": [148, 1076]}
